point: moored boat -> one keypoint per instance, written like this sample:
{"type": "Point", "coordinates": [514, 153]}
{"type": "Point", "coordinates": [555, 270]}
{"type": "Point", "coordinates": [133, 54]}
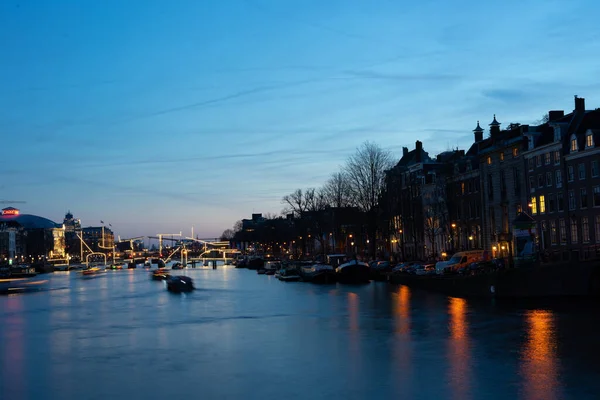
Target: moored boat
{"type": "Point", "coordinates": [288, 275]}
{"type": "Point", "coordinates": [318, 273]}
{"type": "Point", "coordinates": [180, 284]}
{"type": "Point", "coordinates": [353, 271]}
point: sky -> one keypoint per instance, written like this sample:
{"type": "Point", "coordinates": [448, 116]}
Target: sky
{"type": "Point", "coordinates": [160, 116]}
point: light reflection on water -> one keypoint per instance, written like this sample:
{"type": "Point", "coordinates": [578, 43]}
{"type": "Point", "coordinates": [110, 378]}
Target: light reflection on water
{"type": "Point", "coordinates": [244, 335]}
{"type": "Point", "coordinates": [458, 349]}
{"type": "Point", "coordinates": [539, 359]}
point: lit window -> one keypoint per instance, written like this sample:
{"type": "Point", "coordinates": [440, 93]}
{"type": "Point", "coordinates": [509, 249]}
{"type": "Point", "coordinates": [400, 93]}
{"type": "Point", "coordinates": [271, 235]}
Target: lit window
{"type": "Point", "coordinates": [542, 204]}
{"type": "Point", "coordinates": [489, 160]}
{"type": "Point", "coordinates": [557, 157]}
{"type": "Point", "coordinates": [589, 140]}
{"type": "Point", "coordinates": [515, 152]}
{"type": "Point", "coordinates": [585, 230]}
{"type": "Point", "coordinates": [573, 143]}
{"type": "Point", "coordinates": [533, 205]}
{"type": "Point", "coordinates": [502, 156]}
{"type": "Point", "coordinates": [574, 237]}
{"type": "Point", "coordinates": [547, 158]}
{"type": "Point", "coordinates": [462, 187]}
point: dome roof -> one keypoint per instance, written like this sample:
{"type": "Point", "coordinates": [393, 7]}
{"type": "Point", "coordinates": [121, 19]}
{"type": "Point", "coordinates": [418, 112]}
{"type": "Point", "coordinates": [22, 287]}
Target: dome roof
{"type": "Point", "coordinates": [28, 221]}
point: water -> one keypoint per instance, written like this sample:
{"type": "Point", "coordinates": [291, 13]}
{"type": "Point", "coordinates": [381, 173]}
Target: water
{"type": "Point", "coordinates": [247, 336]}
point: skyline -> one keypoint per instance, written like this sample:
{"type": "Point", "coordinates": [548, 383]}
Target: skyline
{"type": "Point", "coordinates": [114, 106]}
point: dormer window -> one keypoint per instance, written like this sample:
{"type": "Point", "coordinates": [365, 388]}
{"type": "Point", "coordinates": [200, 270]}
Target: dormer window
{"type": "Point", "coordinates": [573, 143]}
{"type": "Point", "coordinates": [589, 140]}
{"type": "Point", "coordinates": [489, 160]}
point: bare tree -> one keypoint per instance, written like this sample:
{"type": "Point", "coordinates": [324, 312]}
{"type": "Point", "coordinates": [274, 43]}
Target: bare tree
{"type": "Point", "coordinates": [337, 190]}
{"type": "Point", "coordinates": [435, 213]}
{"type": "Point", "coordinates": [238, 226]}
{"type": "Point", "coordinates": [366, 172]}
{"type": "Point", "coordinates": [227, 234]}
{"type": "Point", "coordinates": [295, 202]}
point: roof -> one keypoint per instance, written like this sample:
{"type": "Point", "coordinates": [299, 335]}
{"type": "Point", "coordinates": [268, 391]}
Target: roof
{"type": "Point", "coordinates": [28, 221]}
{"type": "Point", "coordinates": [494, 122]}
{"type": "Point", "coordinates": [479, 128]}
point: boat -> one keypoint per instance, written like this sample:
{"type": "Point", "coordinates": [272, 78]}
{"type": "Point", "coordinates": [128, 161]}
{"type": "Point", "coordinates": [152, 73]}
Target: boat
{"type": "Point", "coordinates": [177, 265]}
{"type": "Point", "coordinates": [353, 271]}
{"type": "Point", "coordinates": [20, 285]}
{"type": "Point", "coordinates": [114, 267]}
{"type": "Point", "coordinates": [580, 279]}
{"type": "Point", "coordinates": [270, 272]}
{"type": "Point", "coordinates": [318, 273]}
{"type": "Point", "coordinates": [261, 271]}
{"type": "Point", "coordinates": [93, 271]}
{"type": "Point", "coordinates": [288, 275]}
{"type": "Point", "coordinates": [256, 263]}
{"type": "Point", "coordinates": [160, 274]}
{"type": "Point", "coordinates": [18, 271]}
{"type": "Point", "coordinates": [180, 284]}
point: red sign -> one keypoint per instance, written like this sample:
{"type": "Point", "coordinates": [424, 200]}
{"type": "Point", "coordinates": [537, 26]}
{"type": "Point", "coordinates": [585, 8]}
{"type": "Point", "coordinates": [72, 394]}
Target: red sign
{"type": "Point", "coordinates": [10, 211]}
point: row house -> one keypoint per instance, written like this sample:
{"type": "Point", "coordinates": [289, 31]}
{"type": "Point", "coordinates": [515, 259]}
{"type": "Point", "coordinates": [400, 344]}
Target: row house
{"type": "Point", "coordinates": [564, 183]}
{"type": "Point", "coordinates": [502, 180]}
{"type": "Point", "coordinates": [416, 189]}
{"type": "Point", "coordinates": [464, 199]}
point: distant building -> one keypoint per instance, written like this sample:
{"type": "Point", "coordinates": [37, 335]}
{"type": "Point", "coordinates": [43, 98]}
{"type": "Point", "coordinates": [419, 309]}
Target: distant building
{"type": "Point", "coordinates": [99, 238]}
{"type": "Point", "coordinates": [25, 237]}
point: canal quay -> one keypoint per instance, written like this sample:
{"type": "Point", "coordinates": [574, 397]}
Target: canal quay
{"type": "Point", "coordinates": [248, 336]}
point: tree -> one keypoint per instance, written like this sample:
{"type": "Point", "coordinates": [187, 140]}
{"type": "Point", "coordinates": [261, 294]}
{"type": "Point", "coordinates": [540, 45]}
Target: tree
{"type": "Point", "coordinates": [295, 203]}
{"type": "Point", "coordinates": [337, 190]}
{"type": "Point", "coordinates": [227, 235]}
{"type": "Point", "coordinates": [238, 226]}
{"type": "Point", "coordinates": [366, 172]}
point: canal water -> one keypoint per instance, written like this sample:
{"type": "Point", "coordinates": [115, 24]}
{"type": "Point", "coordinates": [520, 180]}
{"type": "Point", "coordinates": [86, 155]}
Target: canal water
{"type": "Point", "coordinates": [249, 336]}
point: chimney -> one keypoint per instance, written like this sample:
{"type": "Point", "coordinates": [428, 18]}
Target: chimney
{"type": "Point", "coordinates": [419, 149]}
{"type": "Point", "coordinates": [478, 132]}
{"type": "Point", "coordinates": [404, 151]}
{"type": "Point", "coordinates": [494, 127]}
{"type": "Point", "coordinates": [555, 115]}
{"type": "Point", "coordinates": [579, 103]}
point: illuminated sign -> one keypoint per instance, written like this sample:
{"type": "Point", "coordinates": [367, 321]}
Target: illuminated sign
{"type": "Point", "coordinates": [10, 211]}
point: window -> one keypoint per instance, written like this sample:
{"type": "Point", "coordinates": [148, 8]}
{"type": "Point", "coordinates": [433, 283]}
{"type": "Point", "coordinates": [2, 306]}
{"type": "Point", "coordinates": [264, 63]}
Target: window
{"type": "Point", "coordinates": [581, 172]}
{"type": "Point", "coordinates": [542, 204]}
{"type": "Point", "coordinates": [558, 176]}
{"type": "Point", "coordinates": [533, 205]}
{"type": "Point", "coordinates": [597, 229]}
{"type": "Point", "coordinates": [572, 203]}
{"type": "Point", "coordinates": [531, 165]}
{"type": "Point", "coordinates": [596, 196]}
{"type": "Point", "coordinates": [531, 184]}
{"type": "Point", "coordinates": [571, 173]}
{"type": "Point", "coordinates": [519, 209]}
{"type": "Point", "coordinates": [560, 201]}
{"type": "Point", "coordinates": [549, 178]}
{"type": "Point", "coordinates": [573, 143]}
{"type": "Point", "coordinates": [589, 140]}
{"type": "Point", "coordinates": [489, 160]}
{"type": "Point", "coordinates": [540, 180]}
{"type": "Point", "coordinates": [462, 188]}
{"type": "Point", "coordinates": [557, 157]}
{"type": "Point", "coordinates": [517, 180]}
{"type": "Point", "coordinates": [562, 228]}
{"type": "Point", "coordinates": [553, 233]}
{"type": "Point", "coordinates": [583, 199]}
{"type": "Point", "coordinates": [547, 159]}
{"type": "Point", "coordinates": [551, 203]}
{"type": "Point", "coordinates": [515, 152]}
{"type": "Point", "coordinates": [594, 168]}
{"type": "Point", "coordinates": [574, 238]}
{"type": "Point", "coordinates": [585, 230]}
{"type": "Point", "coordinates": [502, 156]}
{"type": "Point", "coordinates": [538, 160]}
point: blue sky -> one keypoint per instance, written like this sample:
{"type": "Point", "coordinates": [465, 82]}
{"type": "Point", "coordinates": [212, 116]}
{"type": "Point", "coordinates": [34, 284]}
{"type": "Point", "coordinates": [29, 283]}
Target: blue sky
{"type": "Point", "coordinates": [158, 116]}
